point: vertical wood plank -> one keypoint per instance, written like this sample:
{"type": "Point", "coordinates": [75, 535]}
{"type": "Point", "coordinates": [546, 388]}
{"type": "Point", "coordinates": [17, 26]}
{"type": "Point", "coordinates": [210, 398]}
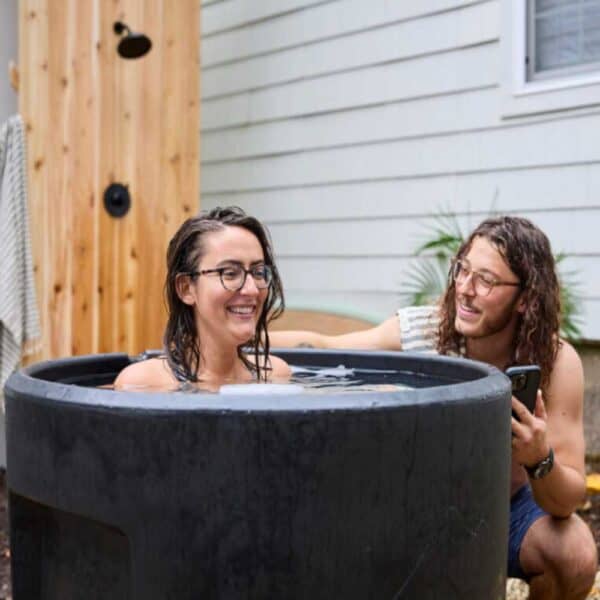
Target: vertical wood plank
{"type": "Point", "coordinates": [81, 195]}
{"type": "Point", "coordinates": [94, 118]}
{"type": "Point", "coordinates": [150, 250]}
{"type": "Point", "coordinates": [128, 81]}
{"type": "Point", "coordinates": [180, 125]}
{"type": "Point", "coordinates": [34, 84]}
{"type": "Point", "coordinates": [59, 225]}
{"type": "Point", "coordinates": [107, 173]}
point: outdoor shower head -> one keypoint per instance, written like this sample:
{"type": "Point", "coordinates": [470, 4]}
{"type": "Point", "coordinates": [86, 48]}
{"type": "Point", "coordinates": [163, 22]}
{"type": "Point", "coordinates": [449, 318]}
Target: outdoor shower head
{"type": "Point", "coordinates": [132, 45]}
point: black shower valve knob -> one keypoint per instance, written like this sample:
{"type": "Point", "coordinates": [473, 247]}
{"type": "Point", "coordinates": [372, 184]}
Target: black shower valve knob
{"type": "Point", "coordinates": [117, 200]}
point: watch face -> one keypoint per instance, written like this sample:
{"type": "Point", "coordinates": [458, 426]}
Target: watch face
{"type": "Point", "coordinates": [543, 467]}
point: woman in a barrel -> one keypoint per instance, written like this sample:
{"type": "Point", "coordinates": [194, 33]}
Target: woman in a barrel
{"type": "Point", "coordinates": [222, 288]}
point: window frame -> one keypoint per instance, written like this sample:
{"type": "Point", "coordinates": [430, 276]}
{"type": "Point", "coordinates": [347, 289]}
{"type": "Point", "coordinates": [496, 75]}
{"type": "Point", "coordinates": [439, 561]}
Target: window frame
{"type": "Point", "coordinates": [522, 97]}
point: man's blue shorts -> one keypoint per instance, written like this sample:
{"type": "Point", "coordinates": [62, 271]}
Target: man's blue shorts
{"type": "Point", "coordinates": [524, 512]}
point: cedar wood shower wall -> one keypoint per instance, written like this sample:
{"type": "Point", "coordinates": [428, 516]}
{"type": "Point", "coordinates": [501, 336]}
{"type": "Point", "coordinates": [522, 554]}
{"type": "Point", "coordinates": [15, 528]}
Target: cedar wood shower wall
{"type": "Point", "coordinates": [92, 119]}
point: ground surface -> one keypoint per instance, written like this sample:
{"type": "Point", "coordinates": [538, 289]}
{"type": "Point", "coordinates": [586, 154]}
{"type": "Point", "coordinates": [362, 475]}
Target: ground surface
{"type": "Point", "coordinates": [516, 590]}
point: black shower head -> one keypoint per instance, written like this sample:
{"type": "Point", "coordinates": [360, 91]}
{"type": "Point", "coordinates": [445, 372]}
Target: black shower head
{"type": "Point", "coordinates": [132, 45]}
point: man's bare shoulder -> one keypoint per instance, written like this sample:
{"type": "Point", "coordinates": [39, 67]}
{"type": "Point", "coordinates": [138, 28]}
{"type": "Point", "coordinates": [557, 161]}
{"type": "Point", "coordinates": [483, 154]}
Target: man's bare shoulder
{"type": "Point", "coordinates": [153, 372]}
{"type": "Point", "coordinates": [568, 369]}
{"type": "Point", "coordinates": [564, 396]}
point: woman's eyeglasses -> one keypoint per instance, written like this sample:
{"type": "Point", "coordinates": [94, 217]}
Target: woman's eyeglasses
{"type": "Point", "coordinates": [233, 277]}
{"type": "Point", "coordinates": [483, 283]}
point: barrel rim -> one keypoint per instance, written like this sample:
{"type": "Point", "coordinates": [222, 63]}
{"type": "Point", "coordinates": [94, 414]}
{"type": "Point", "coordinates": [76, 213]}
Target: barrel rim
{"type": "Point", "coordinates": [483, 382]}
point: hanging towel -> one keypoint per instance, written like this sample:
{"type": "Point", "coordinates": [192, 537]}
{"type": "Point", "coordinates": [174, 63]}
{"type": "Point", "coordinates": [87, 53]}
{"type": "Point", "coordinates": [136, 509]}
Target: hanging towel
{"type": "Point", "coordinates": [19, 317]}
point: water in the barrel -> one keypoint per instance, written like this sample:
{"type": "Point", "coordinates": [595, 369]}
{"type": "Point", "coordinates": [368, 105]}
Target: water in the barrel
{"type": "Point", "coordinates": [311, 380]}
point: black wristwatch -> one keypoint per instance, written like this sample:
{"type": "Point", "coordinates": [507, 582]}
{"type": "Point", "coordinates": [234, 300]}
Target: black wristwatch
{"type": "Point", "coordinates": [542, 468]}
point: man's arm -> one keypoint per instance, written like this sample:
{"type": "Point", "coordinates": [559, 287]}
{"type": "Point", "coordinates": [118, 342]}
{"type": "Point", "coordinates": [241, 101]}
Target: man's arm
{"type": "Point", "coordinates": [385, 336]}
{"type": "Point", "coordinates": [556, 424]}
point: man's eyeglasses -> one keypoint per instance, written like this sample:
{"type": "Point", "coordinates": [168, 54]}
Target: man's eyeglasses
{"type": "Point", "coordinates": [233, 277]}
{"type": "Point", "coordinates": [483, 283]}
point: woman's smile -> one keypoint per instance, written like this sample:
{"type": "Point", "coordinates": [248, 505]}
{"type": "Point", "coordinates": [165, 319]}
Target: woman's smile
{"type": "Point", "coordinates": [244, 311]}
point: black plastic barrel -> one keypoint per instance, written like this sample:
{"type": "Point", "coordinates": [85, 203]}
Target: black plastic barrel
{"type": "Point", "coordinates": [362, 495]}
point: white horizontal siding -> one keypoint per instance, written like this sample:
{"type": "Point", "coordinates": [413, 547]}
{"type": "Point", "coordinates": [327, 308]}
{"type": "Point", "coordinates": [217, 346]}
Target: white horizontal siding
{"type": "Point", "coordinates": [573, 140]}
{"type": "Point", "coordinates": [344, 125]}
{"type": "Point", "coordinates": [391, 236]}
{"type": "Point", "coordinates": [462, 111]}
{"type": "Point", "coordinates": [389, 274]}
{"type": "Point", "coordinates": [232, 14]}
{"type": "Point", "coordinates": [425, 76]}
{"type": "Point", "coordinates": [303, 27]}
{"type": "Point", "coordinates": [571, 231]}
{"type": "Point", "coordinates": [469, 26]}
{"type": "Point", "coordinates": [537, 189]}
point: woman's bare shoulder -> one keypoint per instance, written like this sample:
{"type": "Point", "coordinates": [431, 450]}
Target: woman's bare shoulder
{"type": "Point", "coordinates": [276, 367]}
{"type": "Point", "coordinates": [279, 368]}
{"type": "Point", "coordinates": [154, 372]}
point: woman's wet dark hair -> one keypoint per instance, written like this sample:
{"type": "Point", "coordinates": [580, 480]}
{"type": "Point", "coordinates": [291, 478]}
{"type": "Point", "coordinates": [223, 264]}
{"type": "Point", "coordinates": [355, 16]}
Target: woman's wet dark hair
{"type": "Point", "coordinates": [182, 339]}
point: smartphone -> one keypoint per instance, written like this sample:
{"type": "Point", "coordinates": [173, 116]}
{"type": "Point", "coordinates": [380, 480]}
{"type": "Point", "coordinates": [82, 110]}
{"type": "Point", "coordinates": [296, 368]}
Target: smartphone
{"type": "Point", "coordinates": [525, 383]}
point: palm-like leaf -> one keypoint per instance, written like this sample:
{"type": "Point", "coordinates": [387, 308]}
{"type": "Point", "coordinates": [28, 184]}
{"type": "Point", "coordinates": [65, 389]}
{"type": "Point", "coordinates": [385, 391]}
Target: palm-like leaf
{"type": "Point", "coordinates": [426, 281]}
{"type": "Point", "coordinates": [427, 276]}
{"type": "Point", "coordinates": [445, 236]}
{"type": "Point", "coordinates": [570, 300]}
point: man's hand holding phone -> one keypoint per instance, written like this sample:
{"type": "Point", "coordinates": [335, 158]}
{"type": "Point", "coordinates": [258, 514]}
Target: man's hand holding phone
{"type": "Point", "coordinates": [529, 441]}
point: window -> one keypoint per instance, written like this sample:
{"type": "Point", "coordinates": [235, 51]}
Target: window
{"type": "Point", "coordinates": [563, 38]}
{"type": "Point", "coordinates": [550, 53]}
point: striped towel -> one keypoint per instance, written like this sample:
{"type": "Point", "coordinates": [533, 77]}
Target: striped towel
{"type": "Point", "coordinates": [19, 317]}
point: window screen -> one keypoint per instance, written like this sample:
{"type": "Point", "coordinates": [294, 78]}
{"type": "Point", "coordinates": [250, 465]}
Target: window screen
{"type": "Point", "coordinates": [563, 37]}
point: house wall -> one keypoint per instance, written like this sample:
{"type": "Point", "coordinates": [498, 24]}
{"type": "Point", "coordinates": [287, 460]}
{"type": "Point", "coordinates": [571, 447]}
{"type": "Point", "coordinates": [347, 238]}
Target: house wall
{"type": "Point", "coordinates": [9, 43]}
{"type": "Point", "coordinates": [344, 124]}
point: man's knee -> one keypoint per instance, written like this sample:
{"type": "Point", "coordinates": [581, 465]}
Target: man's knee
{"type": "Point", "coordinates": [583, 562]}
{"type": "Point", "coordinates": [564, 548]}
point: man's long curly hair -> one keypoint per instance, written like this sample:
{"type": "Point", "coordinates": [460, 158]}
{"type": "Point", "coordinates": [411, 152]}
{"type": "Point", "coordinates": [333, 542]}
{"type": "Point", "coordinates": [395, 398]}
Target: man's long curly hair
{"type": "Point", "coordinates": [527, 252]}
{"type": "Point", "coordinates": [181, 339]}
